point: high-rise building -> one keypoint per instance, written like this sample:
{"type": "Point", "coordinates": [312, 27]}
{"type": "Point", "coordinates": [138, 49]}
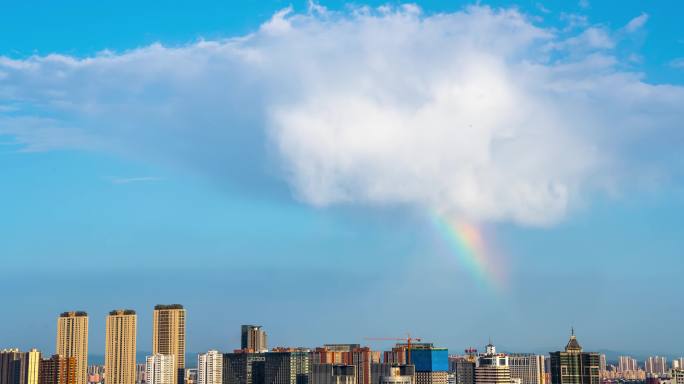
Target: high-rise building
{"type": "Point", "coordinates": [96, 374]}
{"type": "Point", "coordinates": [287, 366]}
{"type": "Point", "coordinates": [58, 370]}
{"type": "Point", "coordinates": [463, 369]}
{"type": "Point", "coordinates": [259, 372]}
{"type": "Point", "coordinates": [677, 376]}
{"type": "Point", "coordinates": [403, 374]}
{"type": "Point", "coordinates": [72, 341]}
{"type": "Point", "coordinates": [30, 370]}
{"type": "Point", "coordinates": [333, 353]}
{"type": "Point", "coordinates": [19, 367]}
{"type": "Point", "coordinates": [120, 344]}
{"type": "Point", "coordinates": [191, 376]}
{"type": "Point", "coordinates": [210, 368]}
{"type": "Point", "coordinates": [397, 356]}
{"type": "Point", "coordinates": [431, 363]}
{"type": "Point", "coordinates": [573, 366]}
{"type": "Point", "coordinates": [160, 369]}
{"type": "Point", "coordinates": [492, 367]}
{"type": "Point", "coordinates": [392, 374]}
{"type": "Point", "coordinates": [253, 338]}
{"type": "Point", "coordinates": [348, 354]}
{"type": "Point", "coordinates": [141, 373]}
{"type": "Point", "coordinates": [238, 367]}
{"type": "Point", "coordinates": [168, 335]}
{"type": "Point", "coordinates": [656, 365]}
{"type": "Point", "coordinates": [333, 374]}
{"type": "Point", "coordinates": [400, 354]}
{"type": "Point", "coordinates": [627, 364]}
{"type": "Point", "coordinates": [9, 365]}
{"type": "Point", "coordinates": [528, 368]}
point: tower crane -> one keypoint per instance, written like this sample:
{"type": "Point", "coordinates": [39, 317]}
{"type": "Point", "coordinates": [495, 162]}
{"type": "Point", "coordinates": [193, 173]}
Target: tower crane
{"type": "Point", "coordinates": [408, 339]}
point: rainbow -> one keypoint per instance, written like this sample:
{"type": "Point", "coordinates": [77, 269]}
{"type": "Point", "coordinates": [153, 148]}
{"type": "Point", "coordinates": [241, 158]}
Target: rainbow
{"type": "Point", "coordinates": [467, 242]}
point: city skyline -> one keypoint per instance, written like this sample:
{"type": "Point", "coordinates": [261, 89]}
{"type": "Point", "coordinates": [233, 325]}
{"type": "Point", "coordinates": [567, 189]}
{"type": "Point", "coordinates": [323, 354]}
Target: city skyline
{"type": "Point", "coordinates": [412, 360]}
{"type": "Point", "coordinates": [526, 365]}
{"type": "Point", "coordinates": [341, 170]}
{"type": "Point", "coordinates": [236, 341]}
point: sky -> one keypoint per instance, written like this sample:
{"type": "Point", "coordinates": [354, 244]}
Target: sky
{"type": "Point", "coordinates": [335, 171]}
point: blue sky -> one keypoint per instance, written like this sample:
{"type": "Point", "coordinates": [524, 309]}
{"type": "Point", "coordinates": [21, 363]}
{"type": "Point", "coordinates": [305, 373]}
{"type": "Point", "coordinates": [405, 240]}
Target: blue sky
{"type": "Point", "coordinates": [180, 173]}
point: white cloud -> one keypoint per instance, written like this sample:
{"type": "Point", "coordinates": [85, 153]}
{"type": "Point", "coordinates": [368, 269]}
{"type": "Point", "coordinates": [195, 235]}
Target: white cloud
{"type": "Point", "coordinates": [589, 40]}
{"type": "Point", "coordinates": [574, 21]}
{"type": "Point", "coordinates": [467, 113]}
{"type": "Point", "coordinates": [315, 7]}
{"type": "Point", "coordinates": [636, 23]}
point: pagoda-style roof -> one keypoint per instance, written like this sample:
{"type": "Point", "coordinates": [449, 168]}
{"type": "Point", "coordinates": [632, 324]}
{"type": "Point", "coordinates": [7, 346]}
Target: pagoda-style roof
{"type": "Point", "coordinates": [573, 345]}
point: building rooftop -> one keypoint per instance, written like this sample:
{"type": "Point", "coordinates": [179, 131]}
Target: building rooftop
{"type": "Point", "coordinates": [73, 314]}
{"type": "Point", "coordinates": [122, 312]}
{"type": "Point", "coordinates": [573, 345]}
{"type": "Point", "coordinates": [290, 350]}
{"type": "Point", "coordinates": [341, 347]}
{"type": "Point", "coordinates": [418, 346]}
{"type": "Point", "coordinates": [168, 306]}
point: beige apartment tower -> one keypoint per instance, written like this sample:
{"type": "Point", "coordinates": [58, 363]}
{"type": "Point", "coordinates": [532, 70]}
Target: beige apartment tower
{"type": "Point", "coordinates": [120, 347]}
{"type": "Point", "coordinates": [33, 358]}
{"type": "Point", "coordinates": [72, 341]}
{"type": "Point", "coordinates": [168, 336]}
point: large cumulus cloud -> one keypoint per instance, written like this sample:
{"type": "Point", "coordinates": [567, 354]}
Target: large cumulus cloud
{"type": "Point", "coordinates": [479, 114]}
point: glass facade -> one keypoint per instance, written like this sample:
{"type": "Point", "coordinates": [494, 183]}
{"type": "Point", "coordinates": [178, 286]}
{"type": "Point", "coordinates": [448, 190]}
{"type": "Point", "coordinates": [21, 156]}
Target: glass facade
{"type": "Point", "coordinates": [430, 360]}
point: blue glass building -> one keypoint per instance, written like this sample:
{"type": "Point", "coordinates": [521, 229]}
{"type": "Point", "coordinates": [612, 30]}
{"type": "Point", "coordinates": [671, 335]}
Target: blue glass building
{"type": "Point", "coordinates": [430, 360]}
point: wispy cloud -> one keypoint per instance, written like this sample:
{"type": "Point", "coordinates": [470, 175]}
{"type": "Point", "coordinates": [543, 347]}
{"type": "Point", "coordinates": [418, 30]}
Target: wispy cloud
{"type": "Point", "coordinates": [574, 21]}
{"type": "Point", "coordinates": [468, 113]}
{"type": "Point", "coordinates": [129, 180]}
{"type": "Point", "coordinates": [636, 23]}
{"type": "Point", "coordinates": [542, 8]}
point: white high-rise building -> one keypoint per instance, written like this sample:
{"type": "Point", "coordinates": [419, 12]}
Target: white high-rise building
{"type": "Point", "coordinates": [678, 363]}
{"type": "Point", "coordinates": [210, 368]}
{"type": "Point", "coordinates": [160, 369]}
{"type": "Point", "coordinates": [492, 368]}
{"type": "Point", "coordinates": [627, 364]}
{"type": "Point", "coordinates": [529, 368]}
{"type": "Point", "coordinates": [656, 365]}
